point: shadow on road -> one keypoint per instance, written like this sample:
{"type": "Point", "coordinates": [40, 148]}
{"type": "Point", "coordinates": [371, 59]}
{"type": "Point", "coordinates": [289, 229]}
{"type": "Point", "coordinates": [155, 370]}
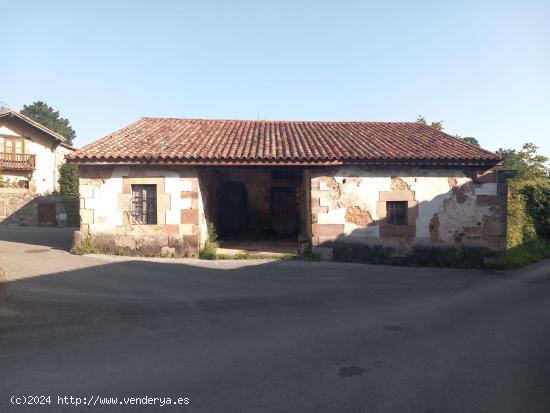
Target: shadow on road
{"type": "Point", "coordinates": [52, 237]}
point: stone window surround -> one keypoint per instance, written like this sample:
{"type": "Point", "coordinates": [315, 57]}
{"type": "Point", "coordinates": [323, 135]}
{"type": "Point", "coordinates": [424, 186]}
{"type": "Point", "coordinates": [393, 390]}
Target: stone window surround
{"type": "Point", "coordinates": [125, 198]}
{"type": "Point", "coordinates": [389, 230]}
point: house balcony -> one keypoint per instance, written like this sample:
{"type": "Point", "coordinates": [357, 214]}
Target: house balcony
{"type": "Point", "coordinates": [17, 161]}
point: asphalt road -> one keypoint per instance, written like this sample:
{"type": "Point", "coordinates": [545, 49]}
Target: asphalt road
{"type": "Point", "coordinates": [261, 336]}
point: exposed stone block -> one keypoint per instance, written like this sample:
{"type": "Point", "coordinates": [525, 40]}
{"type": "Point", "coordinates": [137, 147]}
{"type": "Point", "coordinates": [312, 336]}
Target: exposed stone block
{"type": "Point", "coordinates": [493, 226]}
{"type": "Point", "coordinates": [125, 241]}
{"type": "Point", "coordinates": [486, 177]}
{"type": "Point", "coordinates": [86, 191]}
{"type": "Point", "coordinates": [488, 200]}
{"type": "Point", "coordinates": [189, 216]}
{"type": "Point", "coordinates": [398, 184]}
{"type": "Point", "coordinates": [167, 251]}
{"type": "Point", "coordinates": [358, 216]}
{"type": "Point", "coordinates": [189, 195]}
{"type": "Point", "coordinates": [324, 202]}
{"type": "Point", "coordinates": [325, 253]}
{"type": "Point", "coordinates": [172, 229]}
{"type": "Point", "coordinates": [87, 216]}
{"type": "Point", "coordinates": [397, 230]}
{"type": "Point", "coordinates": [124, 202]}
{"type": "Point", "coordinates": [404, 195]}
{"type": "Point", "coordinates": [486, 189]}
{"type": "Point", "coordinates": [328, 229]}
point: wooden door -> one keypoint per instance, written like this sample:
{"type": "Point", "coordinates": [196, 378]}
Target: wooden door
{"type": "Point", "coordinates": [46, 214]}
{"type": "Point", "coordinates": [233, 206]}
{"type": "Point", "coordinates": [284, 210]}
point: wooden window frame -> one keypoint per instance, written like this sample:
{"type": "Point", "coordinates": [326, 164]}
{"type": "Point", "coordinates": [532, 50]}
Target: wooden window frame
{"type": "Point", "coordinates": [13, 139]}
{"type": "Point", "coordinates": [397, 212]}
{"type": "Point", "coordinates": [144, 204]}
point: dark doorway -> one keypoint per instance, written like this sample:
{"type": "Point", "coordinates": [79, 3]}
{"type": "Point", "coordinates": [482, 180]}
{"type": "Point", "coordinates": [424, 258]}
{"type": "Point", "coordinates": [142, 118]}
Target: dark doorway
{"type": "Point", "coordinates": [233, 208]}
{"type": "Point", "coordinates": [283, 211]}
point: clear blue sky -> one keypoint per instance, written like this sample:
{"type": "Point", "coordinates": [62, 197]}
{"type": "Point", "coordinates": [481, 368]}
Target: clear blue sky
{"type": "Point", "coordinates": [481, 66]}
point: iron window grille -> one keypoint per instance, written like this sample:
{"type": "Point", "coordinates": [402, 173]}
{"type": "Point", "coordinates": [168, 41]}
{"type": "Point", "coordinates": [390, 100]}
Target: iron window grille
{"type": "Point", "coordinates": [396, 212]}
{"type": "Point", "coordinates": [144, 204]}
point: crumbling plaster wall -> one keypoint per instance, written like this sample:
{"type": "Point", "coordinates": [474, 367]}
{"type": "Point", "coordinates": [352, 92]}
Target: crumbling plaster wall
{"type": "Point", "coordinates": [105, 206]}
{"type": "Point", "coordinates": [451, 206]}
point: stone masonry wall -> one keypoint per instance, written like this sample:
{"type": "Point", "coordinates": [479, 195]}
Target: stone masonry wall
{"type": "Point", "coordinates": [19, 206]}
{"type": "Point", "coordinates": [446, 207]}
{"type": "Point", "coordinates": [105, 206]}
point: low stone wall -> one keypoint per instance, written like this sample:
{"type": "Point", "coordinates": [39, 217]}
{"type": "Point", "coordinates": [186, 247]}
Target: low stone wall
{"type": "Point", "coordinates": [19, 206]}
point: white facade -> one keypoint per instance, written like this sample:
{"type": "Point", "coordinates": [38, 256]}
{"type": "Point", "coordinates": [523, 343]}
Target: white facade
{"type": "Point", "coordinates": [49, 155]}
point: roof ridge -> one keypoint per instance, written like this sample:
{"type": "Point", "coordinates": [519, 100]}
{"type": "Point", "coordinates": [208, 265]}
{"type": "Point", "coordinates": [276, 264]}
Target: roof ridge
{"type": "Point", "coordinates": [146, 118]}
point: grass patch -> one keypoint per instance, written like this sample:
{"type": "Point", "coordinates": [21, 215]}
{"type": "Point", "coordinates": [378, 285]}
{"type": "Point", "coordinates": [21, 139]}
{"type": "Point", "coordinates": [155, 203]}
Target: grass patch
{"type": "Point", "coordinates": [528, 253]}
{"type": "Point", "coordinates": [305, 256]}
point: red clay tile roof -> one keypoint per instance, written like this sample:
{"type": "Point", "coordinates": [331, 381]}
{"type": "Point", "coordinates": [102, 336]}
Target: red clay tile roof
{"type": "Point", "coordinates": [200, 141]}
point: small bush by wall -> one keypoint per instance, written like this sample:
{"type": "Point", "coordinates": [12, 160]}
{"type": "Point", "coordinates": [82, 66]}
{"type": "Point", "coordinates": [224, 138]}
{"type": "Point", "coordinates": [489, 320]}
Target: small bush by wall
{"type": "Point", "coordinates": [210, 249]}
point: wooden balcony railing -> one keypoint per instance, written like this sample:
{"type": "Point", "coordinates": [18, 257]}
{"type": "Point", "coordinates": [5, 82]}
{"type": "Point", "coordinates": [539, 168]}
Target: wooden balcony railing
{"type": "Point", "coordinates": [18, 161]}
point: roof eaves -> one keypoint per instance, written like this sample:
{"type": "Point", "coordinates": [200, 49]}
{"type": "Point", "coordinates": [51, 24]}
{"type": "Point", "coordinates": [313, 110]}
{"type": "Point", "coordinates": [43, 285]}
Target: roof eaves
{"type": "Point", "coordinates": [12, 113]}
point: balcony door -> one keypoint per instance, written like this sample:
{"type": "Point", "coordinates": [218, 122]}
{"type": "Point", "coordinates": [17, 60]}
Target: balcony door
{"type": "Point", "coordinates": [13, 146]}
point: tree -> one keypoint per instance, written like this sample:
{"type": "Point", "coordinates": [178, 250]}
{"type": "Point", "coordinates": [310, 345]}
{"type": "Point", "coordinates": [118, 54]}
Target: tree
{"type": "Point", "coordinates": [47, 116]}
{"type": "Point", "coordinates": [470, 140]}
{"type": "Point", "coordinates": [436, 125]}
{"type": "Point", "coordinates": [528, 162]}
{"type": "Point", "coordinates": [439, 126]}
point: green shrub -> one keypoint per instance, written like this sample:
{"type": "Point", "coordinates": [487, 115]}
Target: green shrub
{"type": "Point", "coordinates": [68, 181]}
{"type": "Point", "coordinates": [86, 247]}
{"type": "Point", "coordinates": [210, 249]}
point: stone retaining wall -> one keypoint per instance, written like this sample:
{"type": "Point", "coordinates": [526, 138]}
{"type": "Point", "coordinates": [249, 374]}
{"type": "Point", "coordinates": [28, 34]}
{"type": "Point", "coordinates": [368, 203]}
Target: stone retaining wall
{"type": "Point", "coordinates": [19, 206]}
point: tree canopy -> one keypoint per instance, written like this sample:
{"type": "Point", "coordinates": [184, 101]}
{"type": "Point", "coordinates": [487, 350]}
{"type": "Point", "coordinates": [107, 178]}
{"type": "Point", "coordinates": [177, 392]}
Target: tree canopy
{"type": "Point", "coordinates": [439, 126]}
{"type": "Point", "coordinates": [528, 162]}
{"type": "Point", "coordinates": [47, 116]}
{"type": "Point", "coordinates": [436, 125]}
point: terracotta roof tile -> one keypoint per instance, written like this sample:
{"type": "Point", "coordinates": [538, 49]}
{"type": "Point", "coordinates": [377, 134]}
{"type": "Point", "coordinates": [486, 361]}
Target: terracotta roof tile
{"type": "Point", "coordinates": [200, 141]}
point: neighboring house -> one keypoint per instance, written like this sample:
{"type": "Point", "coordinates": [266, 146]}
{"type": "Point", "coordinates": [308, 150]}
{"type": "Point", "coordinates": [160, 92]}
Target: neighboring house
{"type": "Point", "coordinates": [30, 154]}
{"type": "Point", "coordinates": [151, 187]}
{"type": "Point", "coordinates": [30, 157]}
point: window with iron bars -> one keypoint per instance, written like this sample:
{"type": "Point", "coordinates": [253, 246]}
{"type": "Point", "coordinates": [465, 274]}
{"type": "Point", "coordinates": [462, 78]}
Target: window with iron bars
{"type": "Point", "coordinates": [396, 212]}
{"type": "Point", "coordinates": [144, 204]}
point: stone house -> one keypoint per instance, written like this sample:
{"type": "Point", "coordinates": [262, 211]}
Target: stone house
{"type": "Point", "coordinates": [152, 187]}
{"type": "Point", "coordinates": [30, 157]}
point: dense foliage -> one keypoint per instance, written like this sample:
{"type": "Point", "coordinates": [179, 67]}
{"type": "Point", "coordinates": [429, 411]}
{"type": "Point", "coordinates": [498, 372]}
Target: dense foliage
{"type": "Point", "coordinates": [47, 116]}
{"type": "Point", "coordinates": [537, 196]}
{"type": "Point", "coordinates": [527, 162]}
{"type": "Point", "coordinates": [68, 180]}
{"type": "Point", "coordinates": [69, 190]}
